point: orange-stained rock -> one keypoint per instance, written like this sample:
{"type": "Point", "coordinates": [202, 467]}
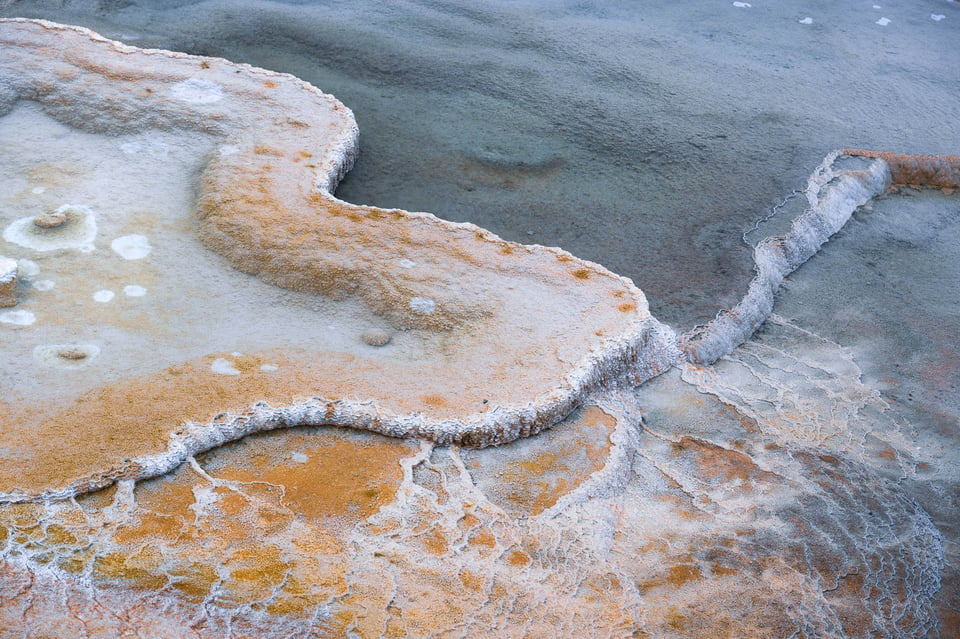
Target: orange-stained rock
{"type": "Point", "coordinates": [531, 476]}
{"type": "Point", "coordinates": [390, 321]}
{"type": "Point", "coordinates": [167, 455]}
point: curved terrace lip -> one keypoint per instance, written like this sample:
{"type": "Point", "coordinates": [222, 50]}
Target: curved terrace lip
{"type": "Point", "coordinates": [629, 348]}
{"type": "Point", "coordinates": [276, 180]}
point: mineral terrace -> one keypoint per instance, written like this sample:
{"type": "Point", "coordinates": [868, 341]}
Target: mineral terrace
{"type": "Point", "coordinates": [236, 406]}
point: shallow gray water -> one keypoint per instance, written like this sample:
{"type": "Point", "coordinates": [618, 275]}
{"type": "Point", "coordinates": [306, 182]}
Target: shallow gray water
{"type": "Point", "coordinates": [644, 136]}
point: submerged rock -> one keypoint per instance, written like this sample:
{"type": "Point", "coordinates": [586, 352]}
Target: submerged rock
{"type": "Point", "coordinates": [68, 227]}
{"type": "Point", "coordinates": [50, 220]}
{"type": "Point", "coordinates": [376, 337]}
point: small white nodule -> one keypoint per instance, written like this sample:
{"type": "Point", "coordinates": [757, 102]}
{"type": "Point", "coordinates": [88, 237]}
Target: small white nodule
{"type": "Point", "coordinates": [131, 247]}
{"type": "Point", "coordinates": [422, 305]}
{"type": "Point", "coordinates": [197, 91]}
{"type": "Point", "coordinates": [134, 290]}
{"type": "Point", "coordinates": [222, 366]}
{"type": "Point", "coordinates": [27, 268]}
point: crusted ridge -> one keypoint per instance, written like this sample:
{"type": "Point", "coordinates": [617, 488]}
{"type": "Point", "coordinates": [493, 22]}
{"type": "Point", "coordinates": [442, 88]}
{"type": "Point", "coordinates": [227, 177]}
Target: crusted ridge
{"type": "Point", "coordinates": [265, 203]}
{"type": "Point", "coordinates": [833, 195]}
{"type": "Point", "coordinates": [264, 206]}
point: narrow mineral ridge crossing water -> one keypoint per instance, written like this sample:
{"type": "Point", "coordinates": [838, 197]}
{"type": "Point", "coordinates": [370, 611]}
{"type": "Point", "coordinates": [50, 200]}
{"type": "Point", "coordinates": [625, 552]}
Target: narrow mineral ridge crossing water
{"type": "Point", "coordinates": [798, 483]}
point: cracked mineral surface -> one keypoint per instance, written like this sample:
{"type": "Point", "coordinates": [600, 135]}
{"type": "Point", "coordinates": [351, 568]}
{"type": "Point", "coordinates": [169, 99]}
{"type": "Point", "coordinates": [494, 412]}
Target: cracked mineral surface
{"type": "Point", "coordinates": [206, 351]}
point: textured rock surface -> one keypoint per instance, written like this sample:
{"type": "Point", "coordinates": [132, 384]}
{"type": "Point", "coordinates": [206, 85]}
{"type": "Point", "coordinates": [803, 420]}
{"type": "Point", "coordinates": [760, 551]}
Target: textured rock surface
{"type": "Point", "coordinates": [695, 523]}
{"type": "Point", "coordinates": [499, 340]}
{"type": "Point", "coordinates": [787, 485]}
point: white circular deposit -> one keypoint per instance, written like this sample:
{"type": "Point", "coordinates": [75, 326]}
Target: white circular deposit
{"type": "Point", "coordinates": [18, 318]}
{"type": "Point", "coordinates": [131, 247]}
{"type": "Point", "coordinates": [134, 290]}
{"type": "Point", "coordinates": [222, 366]}
{"type": "Point", "coordinates": [131, 148]}
{"type": "Point", "coordinates": [103, 296]}
{"type": "Point", "coordinates": [27, 268]}
{"type": "Point", "coordinates": [422, 305]}
{"type": "Point", "coordinates": [77, 230]}
{"type": "Point", "coordinates": [197, 91]}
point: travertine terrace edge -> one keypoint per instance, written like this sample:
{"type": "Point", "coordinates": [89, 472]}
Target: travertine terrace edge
{"type": "Point", "coordinates": [251, 196]}
{"type": "Point", "coordinates": [247, 195]}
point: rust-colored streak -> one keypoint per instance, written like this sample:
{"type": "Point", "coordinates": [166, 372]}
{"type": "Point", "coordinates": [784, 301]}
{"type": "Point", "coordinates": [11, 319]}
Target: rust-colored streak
{"type": "Point", "coordinates": [715, 464]}
{"type": "Point", "coordinates": [931, 171]}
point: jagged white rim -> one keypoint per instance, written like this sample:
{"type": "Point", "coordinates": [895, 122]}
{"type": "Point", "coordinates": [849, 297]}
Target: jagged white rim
{"type": "Point", "coordinates": [645, 349]}
{"type": "Point", "coordinates": [653, 344]}
{"type": "Point", "coordinates": [833, 196]}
